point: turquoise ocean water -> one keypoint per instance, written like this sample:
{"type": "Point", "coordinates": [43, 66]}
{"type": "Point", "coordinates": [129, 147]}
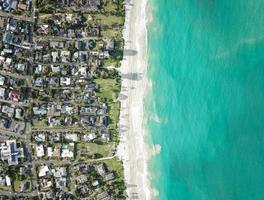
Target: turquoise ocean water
{"type": "Point", "coordinates": [206, 107]}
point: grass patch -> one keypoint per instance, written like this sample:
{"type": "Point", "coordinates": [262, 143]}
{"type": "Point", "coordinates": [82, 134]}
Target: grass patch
{"type": "Point", "coordinates": [91, 150]}
{"type": "Point", "coordinates": [114, 113]}
{"type": "Point", "coordinates": [112, 33]}
{"type": "Point", "coordinates": [109, 89]}
{"type": "Point", "coordinates": [111, 62]}
{"type": "Point", "coordinates": [39, 123]}
{"type": "Point", "coordinates": [110, 20]}
{"type": "Point", "coordinates": [115, 165]}
{"type": "Point", "coordinates": [17, 186]}
{"type": "Point", "coordinates": [114, 7]}
{"type": "Point", "coordinates": [118, 184]}
{"type": "Point", "coordinates": [109, 6]}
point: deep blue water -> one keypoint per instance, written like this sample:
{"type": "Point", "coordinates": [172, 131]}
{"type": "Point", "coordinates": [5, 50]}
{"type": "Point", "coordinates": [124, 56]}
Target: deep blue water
{"type": "Point", "coordinates": [206, 106]}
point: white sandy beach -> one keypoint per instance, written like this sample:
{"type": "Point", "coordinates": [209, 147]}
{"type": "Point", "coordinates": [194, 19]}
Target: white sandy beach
{"type": "Point", "coordinates": [132, 149]}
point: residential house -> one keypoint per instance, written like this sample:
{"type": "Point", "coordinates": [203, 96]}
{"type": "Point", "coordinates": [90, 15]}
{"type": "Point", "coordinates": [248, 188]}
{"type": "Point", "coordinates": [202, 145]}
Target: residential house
{"type": "Point", "coordinates": [61, 182]}
{"type": "Point", "coordinates": [2, 93]}
{"type": "Point", "coordinates": [109, 176]}
{"type": "Point", "coordinates": [102, 170]}
{"type": "Point", "coordinates": [11, 152]}
{"type": "Point", "coordinates": [39, 110]}
{"type": "Point", "coordinates": [66, 152]}
{"type": "Point", "coordinates": [8, 110]}
{"type": "Point", "coordinates": [73, 137]}
{"type": "Point", "coordinates": [95, 183]}
{"type": "Point", "coordinates": [59, 172]}
{"type": "Point", "coordinates": [39, 150]}
{"type": "Point", "coordinates": [44, 171]}
{"type": "Point", "coordinates": [103, 196]}
{"type": "Point", "coordinates": [18, 113]}
{"type": "Point", "coordinates": [2, 80]}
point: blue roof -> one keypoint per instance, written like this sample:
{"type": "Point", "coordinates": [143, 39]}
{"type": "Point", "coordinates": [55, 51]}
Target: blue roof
{"type": "Point", "coordinates": [7, 5]}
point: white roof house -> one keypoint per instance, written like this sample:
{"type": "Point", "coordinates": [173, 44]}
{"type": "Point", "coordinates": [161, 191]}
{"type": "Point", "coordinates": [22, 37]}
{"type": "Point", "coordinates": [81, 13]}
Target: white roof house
{"type": "Point", "coordinates": [18, 113]}
{"type": "Point", "coordinates": [10, 152]}
{"type": "Point", "coordinates": [59, 172]}
{"type": "Point", "coordinates": [41, 137]}
{"type": "Point", "coordinates": [89, 137]}
{"type": "Point", "coordinates": [54, 55]}
{"type": "Point", "coordinates": [8, 110]}
{"type": "Point", "coordinates": [43, 171]}
{"type": "Point", "coordinates": [65, 81]}
{"type": "Point", "coordinates": [2, 93]}
{"type": "Point", "coordinates": [38, 69]}
{"type": "Point", "coordinates": [66, 153]}
{"type": "Point", "coordinates": [40, 150]}
{"type": "Point", "coordinates": [72, 137]}
{"type": "Point", "coordinates": [95, 183]}
{"type": "Point", "coordinates": [2, 80]}
{"type": "Point", "coordinates": [8, 181]}
{"type": "Point", "coordinates": [49, 151]}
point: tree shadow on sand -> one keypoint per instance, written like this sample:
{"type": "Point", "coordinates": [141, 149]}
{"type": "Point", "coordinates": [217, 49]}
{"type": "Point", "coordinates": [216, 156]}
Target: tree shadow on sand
{"type": "Point", "coordinates": [130, 52]}
{"type": "Point", "coordinates": [133, 76]}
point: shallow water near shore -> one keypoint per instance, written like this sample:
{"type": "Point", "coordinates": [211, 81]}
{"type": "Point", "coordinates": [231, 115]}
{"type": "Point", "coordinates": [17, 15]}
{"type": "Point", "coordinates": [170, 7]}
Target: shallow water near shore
{"type": "Point", "coordinates": [206, 105]}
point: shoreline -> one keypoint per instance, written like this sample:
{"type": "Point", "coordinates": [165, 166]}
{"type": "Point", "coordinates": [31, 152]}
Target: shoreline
{"type": "Point", "coordinates": [132, 149]}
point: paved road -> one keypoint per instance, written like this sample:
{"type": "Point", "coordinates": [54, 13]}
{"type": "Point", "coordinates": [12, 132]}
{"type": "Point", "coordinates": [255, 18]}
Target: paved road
{"type": "Point", "coordinates": [11, 134]}
{"type": "Point", "coordinates": [14, 103]}
{"type": "Point", "coordinates": [14, 194]}
{"type": "Point", "coordinates": [18, 76]}
{"type": "Point", "coordinates": [78, 63]}
{"type": "Point", "coordinates": [18, 17]}
{"type": "Point", "coordinates": [28, 131]}
{"type": "Point", "coordinates": [46, 129]}
{"type": "Point", "coordinates": [50, 88]}
{"type": "Point", "coordinates": [69, 162]}
{"type": "Point", "coordinates": [26, 137]}
{"type": "Point", "coordinates": [60, 38]}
